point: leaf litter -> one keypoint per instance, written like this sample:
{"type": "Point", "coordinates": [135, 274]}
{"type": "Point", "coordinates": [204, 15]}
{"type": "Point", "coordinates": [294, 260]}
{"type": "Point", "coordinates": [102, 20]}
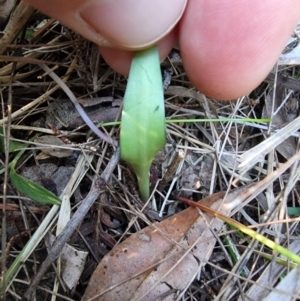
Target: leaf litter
{"type": "Point", "coordinates": [221, 156]}
{"type": "Point", "coordinates": [160, 259]}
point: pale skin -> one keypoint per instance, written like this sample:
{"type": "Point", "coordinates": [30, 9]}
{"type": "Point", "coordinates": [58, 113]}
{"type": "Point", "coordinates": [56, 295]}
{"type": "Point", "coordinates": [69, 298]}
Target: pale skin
{"type": "Point", "coordinates": [228, 46]}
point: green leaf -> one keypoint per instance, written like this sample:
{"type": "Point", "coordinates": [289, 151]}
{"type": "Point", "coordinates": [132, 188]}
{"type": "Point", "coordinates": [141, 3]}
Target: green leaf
{"type": "Point", "coordinates": [32, 190]}
{"type": "Point", "coordinates": [143, 116]}
{"type": "Point", "coordinates": [13, 145]}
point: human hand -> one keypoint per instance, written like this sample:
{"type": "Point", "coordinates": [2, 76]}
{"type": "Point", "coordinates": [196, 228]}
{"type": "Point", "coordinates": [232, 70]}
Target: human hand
{"type": "Point", "coordinates": [228, 46]}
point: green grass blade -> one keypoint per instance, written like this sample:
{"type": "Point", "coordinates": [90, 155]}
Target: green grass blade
{"type": "Point", "coordinates": [198, 120]}
{"type": "Point", "coordinates": [33, 242]}
{"type": "Point", "coordinates": [32, 190]}
{"type": "Point", "coordinates": [143, 116]}
{"type": "Point", "coordinates": [264, 240]}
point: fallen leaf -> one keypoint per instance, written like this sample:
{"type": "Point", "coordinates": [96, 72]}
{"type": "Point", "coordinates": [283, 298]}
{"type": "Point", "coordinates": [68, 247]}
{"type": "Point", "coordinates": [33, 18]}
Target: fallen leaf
{"type": "Point", "coordinates": [156, 261]}
{"type": "Point", "coordinates": [49, 174]}
{"type": "Point", "coordinates": [289, 285]}
{"type": "Point", "coordinates": [62, 113]}
{"type": "Point", "coordinates": [52, 148]}
{"type": "Point", "coordinates": [73, 262]}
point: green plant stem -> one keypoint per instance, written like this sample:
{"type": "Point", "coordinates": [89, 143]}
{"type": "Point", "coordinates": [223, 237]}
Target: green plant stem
{"type": "Point", "coordinates": [144, 185]}
{"type": "Point", "coordinates": [170, 121]}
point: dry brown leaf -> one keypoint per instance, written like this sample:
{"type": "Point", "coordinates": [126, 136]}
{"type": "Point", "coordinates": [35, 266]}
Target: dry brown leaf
{"type": "Point", "coordinates": [150, 264]}
{"type": "Point", "coordinates": [53, 149]}
{"type": "Point", "coordinates": [73, 261]}
{"type": "Point", "coordinates": [49, 176]}
{"type": "Point", "coordinates": [63, 113]}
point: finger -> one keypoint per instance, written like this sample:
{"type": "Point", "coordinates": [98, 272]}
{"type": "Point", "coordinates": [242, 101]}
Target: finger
{"type": "Point", "coordinates": [228, 47]}
{"type": "Point", "coordinates": [120, 60]}
{"type": "Point", "coordinates": [127, 24]}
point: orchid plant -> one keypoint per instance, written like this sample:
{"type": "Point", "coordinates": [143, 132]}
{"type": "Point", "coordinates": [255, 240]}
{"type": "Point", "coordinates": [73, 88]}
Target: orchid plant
{"type": "Point", "coordinates": [143, 117]}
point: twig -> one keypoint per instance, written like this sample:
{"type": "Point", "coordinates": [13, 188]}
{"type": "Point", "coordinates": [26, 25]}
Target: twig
{"type": "Point", "coordinates": [17, 21]}
{"type": "Point", "coordinates": [98, 187]}
{"type": "Point", "coordinates": [284, 81]}
{"type": "Point", "coordinates": [41, 99]}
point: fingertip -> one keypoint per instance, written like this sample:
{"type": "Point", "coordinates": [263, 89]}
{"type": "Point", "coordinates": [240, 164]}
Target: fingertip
{"type": "Point", "coordinates": [133, 24]}
{"type": "Point", "coordinates": [228, 47]}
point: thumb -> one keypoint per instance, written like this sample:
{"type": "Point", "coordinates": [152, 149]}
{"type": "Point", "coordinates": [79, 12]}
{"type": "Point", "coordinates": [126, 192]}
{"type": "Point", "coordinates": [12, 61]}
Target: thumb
{"type": "Point", "coordinates": [127, 24]}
